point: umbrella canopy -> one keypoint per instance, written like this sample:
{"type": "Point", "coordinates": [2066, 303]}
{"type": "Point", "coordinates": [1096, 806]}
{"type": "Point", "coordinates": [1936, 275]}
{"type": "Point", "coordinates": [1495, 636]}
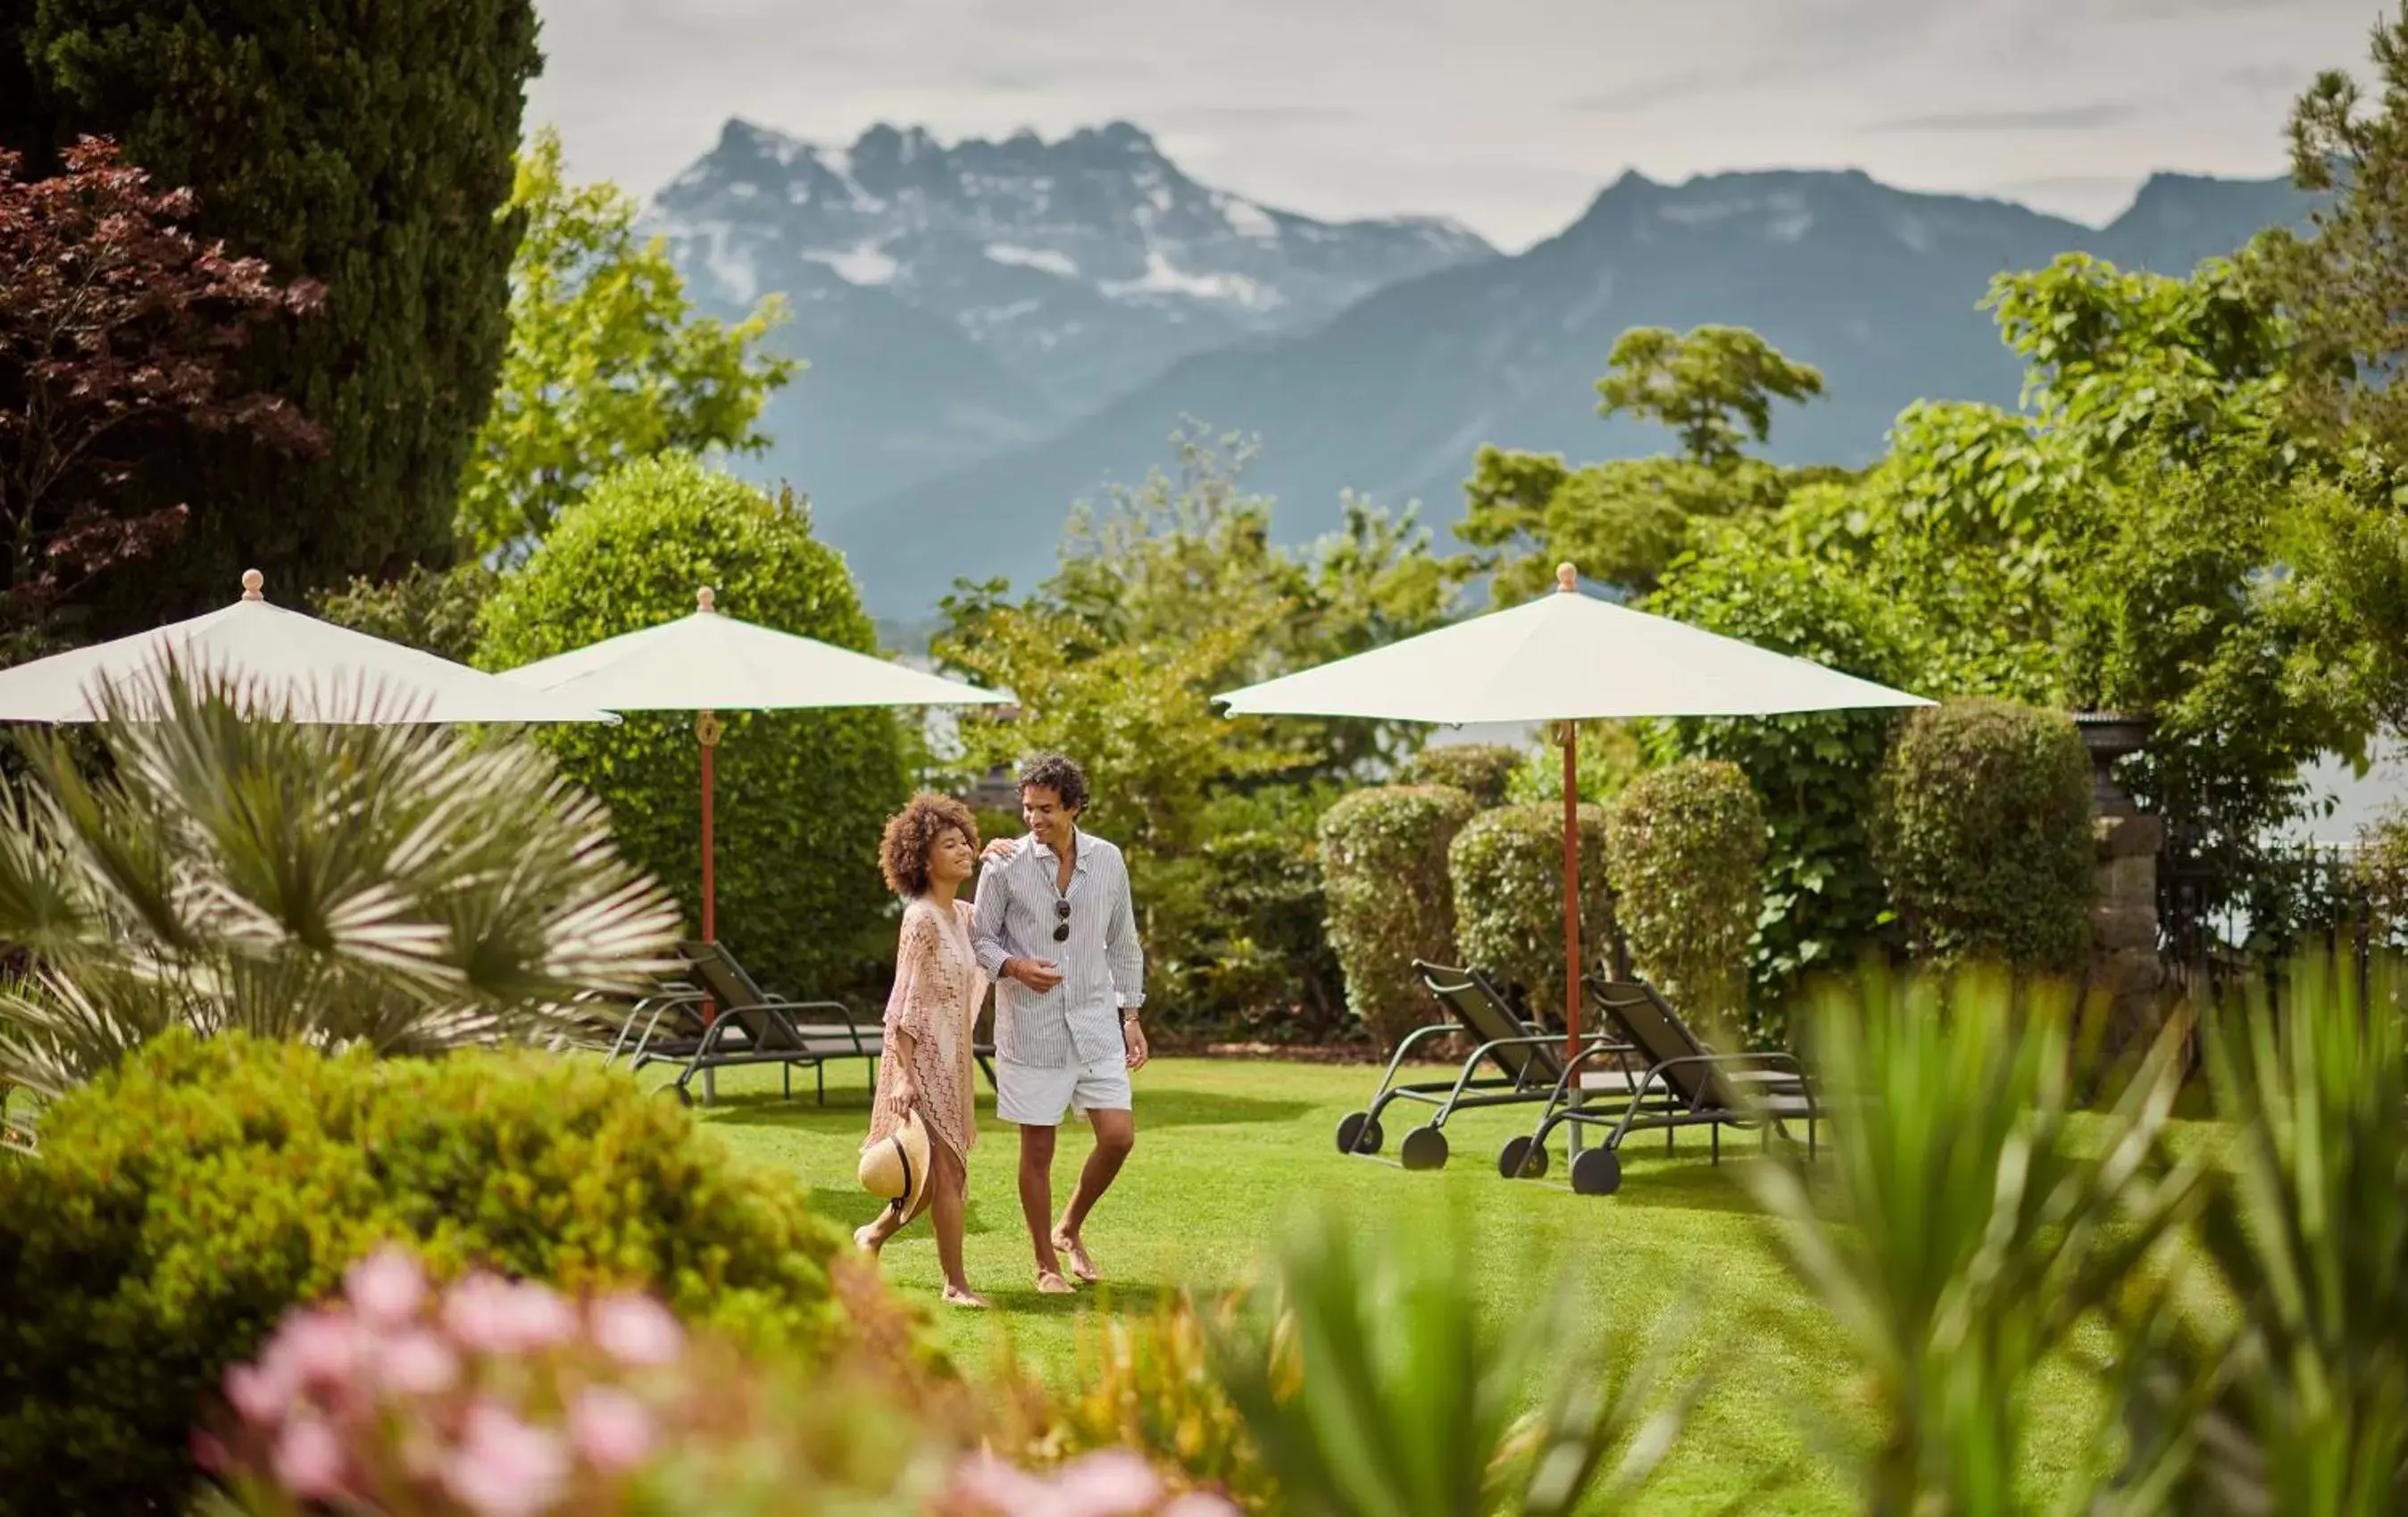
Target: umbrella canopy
{"type": "Point", "coordinates": [709, 663]}
{"type": "Point", "coordinates": [278, 662]}
{"type": "Point", "coordinates": [1567, 658]}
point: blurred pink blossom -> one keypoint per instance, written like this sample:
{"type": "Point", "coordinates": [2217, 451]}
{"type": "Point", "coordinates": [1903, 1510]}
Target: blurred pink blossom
{"type": "Point", "coordinates": [496, 1316]}
{"type": "Point", "coordinates": [416, 1362]}
{"type": "Point", "coordinates": [386, 1288]}
{"type": "Point", "coordinates": [259, 1392]}
{"type": "Point", "coordinates": [308, 1459]}
{"type": "Point", "coordinates": [1111, 1482]}
{"type": "Point", "coordinates": [999, 1486]}
{"type": "Point", "coordinates": [610, 1428]}
{"type": "Point", "coordinates": [316, 1349]}
{"type": "Point", "coordinates": [505, 1468]}
{"type": "Point", "coordinates": [637, 1330]}
{"type": "Point", "coordinates": [1199, 1504]}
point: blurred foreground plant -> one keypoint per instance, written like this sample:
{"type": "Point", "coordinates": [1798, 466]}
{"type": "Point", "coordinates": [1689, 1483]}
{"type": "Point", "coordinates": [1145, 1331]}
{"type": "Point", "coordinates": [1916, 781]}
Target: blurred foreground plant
{"type": "Point", "coordinates": [2298, 1404]}
{"type": "Point", "coordinates": [1970, 1222]}
{"type": "Point", "coordinates": [398, 886]}
{"type": "Point", "coordinates": [1373, 1389]}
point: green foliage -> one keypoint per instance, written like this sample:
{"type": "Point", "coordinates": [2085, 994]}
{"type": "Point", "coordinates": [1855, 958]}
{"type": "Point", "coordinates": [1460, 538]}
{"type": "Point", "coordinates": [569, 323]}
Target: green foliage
{"type": "Point", "coordinates": [188, 1199]}
{"type": "Point", "coordinates": [1508, 871]}
{"type": "Point", "coordinates": [1371, 1384]}
{"type": "Point", "coordinates": [1971, 1223]}
{"type": "Point", "coordinates": [1824, 903]}
{"type": "Point", "coordinates": [2342, 283]}
{"type": "Point", "coordinates": [432, 610]}
{"type": "Point", "coordinates": [401, 887]}
{"type": "Point", "coordinates": [2299, 1404]}
{"type": "Point", "coordinates": [368, 147]}
{"type": "Point", "coordinates": [1686, 848]}
{"type": "Point", "coordinates": [1983, 829]}
{"type": "Point", "coordinates": [1480, 770]}
{"type": "Point", "coordinates": [1610, 755]}
{"type": "Point", "coordinates": [1269, 966]}
{"type": "Point", "coordinates": [606, 362]}
{"type": "Point", "coordinates": [1715, 386]}
{"type": "Point", "coordinates": [801, 796]}
{"type": "Point", "coordinates": [1383, 861]}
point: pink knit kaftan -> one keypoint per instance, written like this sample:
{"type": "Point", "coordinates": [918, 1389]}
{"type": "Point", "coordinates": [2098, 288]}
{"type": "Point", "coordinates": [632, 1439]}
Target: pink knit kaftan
{"type": "Point", "coordinates": [938, 987]}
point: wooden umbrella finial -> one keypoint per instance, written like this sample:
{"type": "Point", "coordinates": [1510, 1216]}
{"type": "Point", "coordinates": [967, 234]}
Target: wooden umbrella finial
{"type": "Point", "coordinates": [1566, 578]}
{"type": "Point", "coordinates": [251, 580]}
{"type": "Point", "coordinates": [706, 599]}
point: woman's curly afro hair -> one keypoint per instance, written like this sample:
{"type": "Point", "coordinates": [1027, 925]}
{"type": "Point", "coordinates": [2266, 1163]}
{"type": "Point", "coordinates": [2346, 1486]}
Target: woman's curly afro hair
{"type": "Point", "coordinates": [911, 833]}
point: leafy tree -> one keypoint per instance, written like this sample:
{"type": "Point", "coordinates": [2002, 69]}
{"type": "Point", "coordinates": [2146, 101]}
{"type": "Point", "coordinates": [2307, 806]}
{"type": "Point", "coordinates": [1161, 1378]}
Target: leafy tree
{"type": "Point", "coordinates": [116, 325]}
{"type": "Point", "coordinates": [434, 609]}
{"type": "Point", "coordinates": [2345, 284]}
{"type": "Point", "coordinates": [1715, 386]}
{"type": "Point", "coordinates": [606, 362]}
{"type": "Point", "coordinates": [367, 148]}
{"type": "Point", "coordinates": [801, 795]}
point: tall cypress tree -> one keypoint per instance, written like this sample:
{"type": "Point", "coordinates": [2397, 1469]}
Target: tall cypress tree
{"type": "Point", "coordinates": [366, 145]}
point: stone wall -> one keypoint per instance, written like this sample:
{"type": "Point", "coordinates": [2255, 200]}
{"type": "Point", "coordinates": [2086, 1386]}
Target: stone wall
{"type": "Point", "coordinates": [2125, 970]}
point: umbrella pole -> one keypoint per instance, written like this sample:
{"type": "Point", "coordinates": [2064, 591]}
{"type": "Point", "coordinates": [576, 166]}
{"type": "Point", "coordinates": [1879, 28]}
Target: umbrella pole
{"type": "Point", "coordinates": [705, 732]}
{"type": "Point", "coordinates": [1571, 892]}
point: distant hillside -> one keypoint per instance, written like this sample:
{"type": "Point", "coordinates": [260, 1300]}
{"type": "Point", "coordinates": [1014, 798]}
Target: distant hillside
{"type": "Point", "coordinates": [1876, 286]}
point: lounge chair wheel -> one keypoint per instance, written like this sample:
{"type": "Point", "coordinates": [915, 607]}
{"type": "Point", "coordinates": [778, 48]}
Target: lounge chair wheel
{"type": "Point", "coordinates": [685, 1097]}
{"type": "Point", "coordinates": [1597, 1172]}
{"type": "Point", "coordinates": [1425, 1148]}
{"type": "Point", "coordinates": [1522, 1159]}
{"type": "Point", "coordinates": [1358, 1132]}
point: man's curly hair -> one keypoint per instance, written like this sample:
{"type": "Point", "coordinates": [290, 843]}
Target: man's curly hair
{"type": "Point", "coordinates": [1059, 774]}
{"type": "Point", "coordinates": [912, 835]}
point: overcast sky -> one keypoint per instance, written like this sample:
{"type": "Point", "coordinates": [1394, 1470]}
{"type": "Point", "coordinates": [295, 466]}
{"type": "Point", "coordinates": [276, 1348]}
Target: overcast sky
{"type": "Point", "coordinates": [1509, 122]}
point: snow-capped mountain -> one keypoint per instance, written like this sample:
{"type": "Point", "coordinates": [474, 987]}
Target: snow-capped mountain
{"type": "Point", "coordinates": [953, 300]}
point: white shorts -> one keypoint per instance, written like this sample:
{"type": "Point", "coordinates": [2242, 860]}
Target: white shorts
{"type": "Point", "coordinates": [1039, 1095]}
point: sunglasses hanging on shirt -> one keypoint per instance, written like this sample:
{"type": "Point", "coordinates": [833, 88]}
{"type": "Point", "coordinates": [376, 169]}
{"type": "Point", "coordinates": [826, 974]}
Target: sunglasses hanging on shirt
{"type": "Point", "coordinates": [1061, 922]}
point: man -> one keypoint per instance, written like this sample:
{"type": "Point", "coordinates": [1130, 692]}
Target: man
{"type": "Point", "coordinates": [1055, 930]}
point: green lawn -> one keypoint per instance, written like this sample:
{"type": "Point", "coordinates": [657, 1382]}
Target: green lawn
{"type": "Point", "coordinates": [1227, 1148]}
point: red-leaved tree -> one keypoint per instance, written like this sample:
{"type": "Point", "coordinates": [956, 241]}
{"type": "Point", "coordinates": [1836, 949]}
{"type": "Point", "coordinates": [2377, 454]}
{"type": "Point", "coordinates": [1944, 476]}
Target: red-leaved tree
{"type": "Point", "coordinates": [115, 320]}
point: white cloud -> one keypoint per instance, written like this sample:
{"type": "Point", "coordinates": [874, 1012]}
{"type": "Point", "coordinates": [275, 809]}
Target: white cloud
{"type": "Point", "coordinates": [1506, 116]}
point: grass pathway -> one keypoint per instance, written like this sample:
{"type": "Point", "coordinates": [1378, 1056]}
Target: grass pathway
{"type": "Point", "coordinates": [1226, 1149]}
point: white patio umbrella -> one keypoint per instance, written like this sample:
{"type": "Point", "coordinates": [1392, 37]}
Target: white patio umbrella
{"type": "Point", "coordinates": [709, 663]}
{"type": "Point", "coordinates": [277, 663]}
{"type": "Point", "coordinates": [1569, 658]}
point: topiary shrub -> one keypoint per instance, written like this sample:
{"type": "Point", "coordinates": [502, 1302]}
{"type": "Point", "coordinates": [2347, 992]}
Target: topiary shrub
{"type": "Point", "coordinates": [1508, 871]}
{"type": "Point", "coordinates": [1383, 866]}
{"type": "Point", "coordinates": [1480, 770]}
{"type": "Point", "coordinates": [1982, 827]}
{"type": "Point", "coordinates": [801, 795]}
{"type": "Point", "coordinates": [182, 1202]}
{"type": "Point", "coordinates": [1687, 850]}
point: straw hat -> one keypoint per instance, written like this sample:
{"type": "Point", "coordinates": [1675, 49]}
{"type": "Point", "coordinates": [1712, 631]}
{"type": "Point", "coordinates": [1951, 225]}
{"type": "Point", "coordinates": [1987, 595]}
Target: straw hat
{"type": "Point", "coordinates": [897, 1167]}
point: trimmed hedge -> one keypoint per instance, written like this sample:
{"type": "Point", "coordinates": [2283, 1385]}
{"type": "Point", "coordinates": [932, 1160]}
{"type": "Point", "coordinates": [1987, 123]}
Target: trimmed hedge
{"type": "Point", "coordinates": [1983, 829]}
{"type": "Point", "coordinates": [1384, 865]}
{"type": "Point", "coordinates": [801, 795]}
{"type": "Point", "coordinates": [184, 1201]}
{"type": "Point", "coordinates": [1480, 770]}
{"type": "Point", "coordinates": [1508, 870]}
{"type": "Point", "coordinates": [1687, 848]}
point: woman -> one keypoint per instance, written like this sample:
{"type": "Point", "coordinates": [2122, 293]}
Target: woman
{"type": "Point", "coordinates": [929, 849]}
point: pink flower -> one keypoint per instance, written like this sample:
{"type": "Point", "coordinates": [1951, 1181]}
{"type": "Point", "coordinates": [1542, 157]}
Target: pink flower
{"type": "Point", "coordinates": [260, 1393]}
{"type": "Point", "coordinates": [637, 1330]}
{"type": "Point", "coordinates": [610, 1428]}
{"type": "Point", "coordinates": [387, 1287]}
{"type": "Point", "coordinates": [492, 1315]}
{"type": "Point", "coordinates": [208, 1452]}
{"type": "Point", "coordinates": [308, 1458]}
{"type": "Point", "coordinates": [1112, 1482]}
{"type": "Point", "coordinates": [1197, 1504]}
{"type": "Point", "coordinates": [505, 1468]}
{"type": "Point", "coordinates": [316, 1349]}
{"type": "Point", "coordinates": [994, 1485]}
{"type": "Point", "coordinates": [417, 1363]}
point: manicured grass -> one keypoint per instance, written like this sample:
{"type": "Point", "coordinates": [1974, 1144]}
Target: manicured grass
{"type": "Point", "coordinates": [1226, 1149]}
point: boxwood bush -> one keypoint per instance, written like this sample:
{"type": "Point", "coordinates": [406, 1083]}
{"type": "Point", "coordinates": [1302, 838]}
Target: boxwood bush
{"type": "Point", "coordinates": [1480, 770]}
{"type": "Point", "coordinates": [182, 1202]}
{"type": "Point", "coordinates": [1508, 870]}
{"type": "Point", "coordinates": [801, 795]}
{"type": "Point", "coordinates": [1384, 864]}
{"type": "Point", "coordinates": [1982, 827]}
{"type": "Point", "coordinates": [1687, 848]}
